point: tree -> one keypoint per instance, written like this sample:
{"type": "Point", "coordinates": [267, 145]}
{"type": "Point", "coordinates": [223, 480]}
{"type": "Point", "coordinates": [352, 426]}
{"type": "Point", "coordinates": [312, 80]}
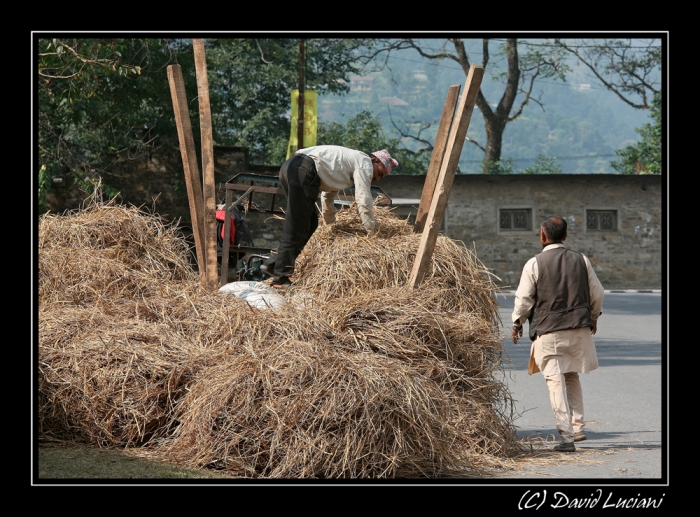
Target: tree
{"type": "Point", "coordinates": [106, 100]}
{"type": "Point", "coordinates": [502, 166]}
{"type": "Point", "coordinates": [646, 156]}
{"type": "Point", "coordinates": [363, 132]}
{"type": "Point", "coordinates": [543, 165]}
{"type": "Point", "coordinates": [100, 101]}
{"type": "Point", "coordinates": [513, 72]}
{"type": "Point", "coordinates": [251, 82]}
{"type": "Point", "coordinates": [631, 68]}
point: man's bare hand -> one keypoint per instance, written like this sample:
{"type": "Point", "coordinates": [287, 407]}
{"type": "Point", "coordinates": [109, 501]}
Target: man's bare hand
{"type": "Point", "coordinates": [516, 333]}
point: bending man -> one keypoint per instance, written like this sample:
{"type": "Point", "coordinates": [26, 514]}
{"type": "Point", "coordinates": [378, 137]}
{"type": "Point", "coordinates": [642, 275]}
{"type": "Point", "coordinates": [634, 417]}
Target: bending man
{"type": "Point", "coordinates": [326, 169]}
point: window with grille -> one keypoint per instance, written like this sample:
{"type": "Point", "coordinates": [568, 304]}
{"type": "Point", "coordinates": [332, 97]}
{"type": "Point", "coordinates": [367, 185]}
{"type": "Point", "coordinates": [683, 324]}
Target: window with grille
{"type": "Point", "coordinates": [601, 219]}
{"type": "Point", "coordinates": [515, 219]}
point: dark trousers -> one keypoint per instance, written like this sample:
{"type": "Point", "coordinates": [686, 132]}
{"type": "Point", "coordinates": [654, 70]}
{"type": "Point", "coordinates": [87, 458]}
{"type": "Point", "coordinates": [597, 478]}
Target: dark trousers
{"type": "Point", "coordinates": [300, 184]}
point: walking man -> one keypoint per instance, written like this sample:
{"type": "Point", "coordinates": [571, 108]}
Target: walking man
{"type": "Point", "coordinates": [561, 297]}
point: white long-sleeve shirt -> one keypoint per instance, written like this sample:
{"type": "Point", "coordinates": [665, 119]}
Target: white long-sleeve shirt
{"type": "Point", "coordinates": [340, 168]}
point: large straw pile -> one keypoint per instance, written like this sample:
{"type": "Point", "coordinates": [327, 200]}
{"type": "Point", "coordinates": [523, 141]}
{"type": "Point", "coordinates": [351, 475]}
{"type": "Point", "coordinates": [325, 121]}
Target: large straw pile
{"type": "Point", "coordinates": [364, 379]}
{"type": "Point", "coordinates": [341, 262]}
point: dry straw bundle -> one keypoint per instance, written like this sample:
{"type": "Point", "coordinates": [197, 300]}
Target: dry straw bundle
{"type": "Point", "coordinates": [113, 387]}
{"type": "Point", "coordinates": [107, 250]}
{"type": "Point", "coordinates": [123, 323]}
{"type": "Point", "coordinates": [375, 387]}
{"type": "Point", "coordinates": [341, 262]}
{"type": "Point", "coordinates": [370, 380]}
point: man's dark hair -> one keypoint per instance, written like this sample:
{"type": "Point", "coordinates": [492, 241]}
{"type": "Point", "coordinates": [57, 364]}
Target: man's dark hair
{"type": "Point", "coordinates": [554, 228]}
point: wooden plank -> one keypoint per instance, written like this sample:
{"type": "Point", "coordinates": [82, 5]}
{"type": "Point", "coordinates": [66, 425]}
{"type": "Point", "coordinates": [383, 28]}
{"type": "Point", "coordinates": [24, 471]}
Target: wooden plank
{"type": "Point", "coordinates": [205, 127]}
{"type": "Point", "coordinates": [447, 174]}
{"type": "Point", "coordinates": [262, 190]}
{"type": "Point", "coordinates": [189, 164]}
{"type": "Point", "coordinates": [431, 178]}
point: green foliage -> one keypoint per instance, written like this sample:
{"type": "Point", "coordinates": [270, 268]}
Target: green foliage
{"type": "Point", "coordinates": [504, 166]}
{"type": "Point", "coordinates": [105, 100]}
{"type": "Point", "coordinates": [251, 81]}
{"type": "Point", "coordinates": [363, 132]}
{"type": "Point", "coordinates": [101, 101]}
{"type": "Point", "coordinates": [646, 156]}
{"type": "Point", "coordinates": [410, 162]}
{"type": "Point", "coordinates": [511, 68]}
{"type": "Point", "coordinates": [44, 184]}
{"type": "Point", "coordinates": [629, 67]}
{"type": "Point", "coordinates": [585, 126]}
{"type": "Point", "coordinates": [543, 61]}
{"type": "Point", "coordinates": [543, 165]}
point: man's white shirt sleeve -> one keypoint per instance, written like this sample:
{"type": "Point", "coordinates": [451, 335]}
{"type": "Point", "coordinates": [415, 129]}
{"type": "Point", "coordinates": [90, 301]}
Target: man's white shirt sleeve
{"type": "Point", "coordinates": [597, 293]}
{"type": "Point", "coordinates": [525, 294]}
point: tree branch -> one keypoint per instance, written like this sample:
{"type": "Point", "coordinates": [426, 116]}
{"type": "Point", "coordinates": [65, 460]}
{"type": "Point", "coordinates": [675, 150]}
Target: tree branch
{"type": "Point", "coordinates": [467, 139]}
{"type": "Point", "coordinates": [262, 56]}
{"type": "Point", "coordinates": [619, 68]}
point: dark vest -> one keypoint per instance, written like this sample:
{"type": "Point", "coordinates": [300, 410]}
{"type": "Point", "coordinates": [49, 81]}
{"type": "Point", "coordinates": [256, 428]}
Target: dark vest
{"type": "Point", "coordinates": [562, 297]}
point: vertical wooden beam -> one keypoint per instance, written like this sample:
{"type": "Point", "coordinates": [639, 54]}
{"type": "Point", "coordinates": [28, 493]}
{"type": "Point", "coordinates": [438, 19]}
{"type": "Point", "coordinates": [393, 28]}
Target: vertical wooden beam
{"type": "Point", "coordinates": [300, 99]}
{"type": "Point", "coordinates": [205, 126]}
{"type": "Point", "coordinates": [448, 112]}
{"type": "Point", "coordinates": [447, 174]}
{"type": "Point", "coordinates": [189, 164]}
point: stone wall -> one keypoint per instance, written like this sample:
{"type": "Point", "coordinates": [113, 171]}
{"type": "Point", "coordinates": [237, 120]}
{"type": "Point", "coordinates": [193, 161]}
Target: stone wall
{"type": "Point", "coordinates": [159, 186]}
{"type": "Point", "coordinates": [629, 257]}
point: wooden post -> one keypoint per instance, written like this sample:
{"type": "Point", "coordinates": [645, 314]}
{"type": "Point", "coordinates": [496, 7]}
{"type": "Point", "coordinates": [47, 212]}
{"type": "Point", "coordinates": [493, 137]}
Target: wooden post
{"type": "Point", "coordinates": [205, 126]}
{"type": "Point", "coordinates": [189, 164]}
{"type": "Point", "coordinates": [447, 174]}
{"type": "Point", "coordinates": [426, 197]}
{"type": "Point", "coordinates": [300, 99]}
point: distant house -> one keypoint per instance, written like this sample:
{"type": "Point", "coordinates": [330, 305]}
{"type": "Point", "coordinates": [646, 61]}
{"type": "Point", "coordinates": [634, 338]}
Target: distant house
{"type": "Point", "coordinates": [361, 83]}
{"type": "Point", "coordinates": [393, 101]}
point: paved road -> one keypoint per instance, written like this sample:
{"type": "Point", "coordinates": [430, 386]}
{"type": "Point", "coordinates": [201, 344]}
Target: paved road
{"type": "Point", "coordinates": [622, 398]}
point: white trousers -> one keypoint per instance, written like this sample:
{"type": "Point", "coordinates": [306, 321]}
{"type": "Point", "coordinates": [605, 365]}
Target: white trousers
{"type": "Point", "coordinates": [566, 397]}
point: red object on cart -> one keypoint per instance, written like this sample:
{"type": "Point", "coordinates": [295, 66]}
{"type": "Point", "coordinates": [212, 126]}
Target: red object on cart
{"type": "Point", "coordinates": [221, 217]}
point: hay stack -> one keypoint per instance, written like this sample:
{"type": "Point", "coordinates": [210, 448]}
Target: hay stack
{"type": "Point", "coordinates": [113, 387]}
{"type": "Point", "coordinates": [340, 261]}
{"type": "Point", "coordinates": [123, 324]}
{"type": "Point", "coordinates": [371, 380]}
{"type": "Point", "coordinates": [374, 387]}
{"type": "Point", "coordinates": [108, 251]}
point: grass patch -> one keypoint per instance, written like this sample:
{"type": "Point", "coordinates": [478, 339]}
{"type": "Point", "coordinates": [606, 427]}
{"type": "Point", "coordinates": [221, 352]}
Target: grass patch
{"type": "Point", "coordinates": [70, 461]}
